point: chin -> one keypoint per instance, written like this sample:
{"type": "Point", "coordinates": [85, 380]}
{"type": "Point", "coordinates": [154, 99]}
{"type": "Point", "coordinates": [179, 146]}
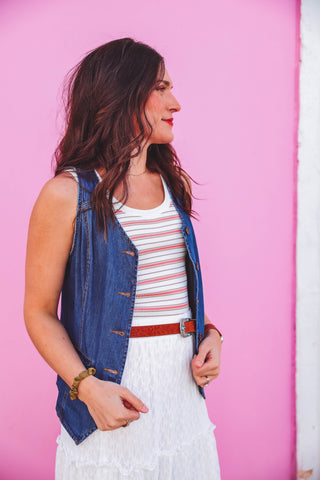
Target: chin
{"type": "Point", "coordinates": [163, 139]}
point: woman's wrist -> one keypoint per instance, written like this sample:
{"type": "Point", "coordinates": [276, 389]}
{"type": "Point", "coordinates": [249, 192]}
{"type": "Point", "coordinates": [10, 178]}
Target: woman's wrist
{"type": "Point", "coordinates": [78, 379]}
{"type": "Point", "coordinates": [210, 329]}
{"type": "Point", "coordinates": [85, 387]}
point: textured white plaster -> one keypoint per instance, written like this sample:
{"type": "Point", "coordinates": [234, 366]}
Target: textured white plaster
{"type": "Point", "coordinates": [308, 245]}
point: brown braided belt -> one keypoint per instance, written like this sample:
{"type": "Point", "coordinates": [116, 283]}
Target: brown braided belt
{"type": "Point", "coordinates": [185, 327]}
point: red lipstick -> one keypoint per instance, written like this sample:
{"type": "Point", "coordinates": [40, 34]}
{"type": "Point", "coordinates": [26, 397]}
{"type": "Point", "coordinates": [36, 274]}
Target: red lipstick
{"type": "Point", "coordinates": [169, 120]}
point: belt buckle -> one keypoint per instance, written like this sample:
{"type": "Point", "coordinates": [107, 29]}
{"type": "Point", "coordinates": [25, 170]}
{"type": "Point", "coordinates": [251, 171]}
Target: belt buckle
{"type": "Point", "coordinates": [183, 328]}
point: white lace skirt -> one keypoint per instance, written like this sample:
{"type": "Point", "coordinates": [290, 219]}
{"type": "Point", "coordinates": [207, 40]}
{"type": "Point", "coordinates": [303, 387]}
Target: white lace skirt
{"type": "Point", "coordinates": [174, 440]}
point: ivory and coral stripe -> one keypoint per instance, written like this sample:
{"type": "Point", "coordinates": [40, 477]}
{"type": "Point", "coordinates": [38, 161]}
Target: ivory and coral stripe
{"type": "Point", "coordinates": [162, 281]}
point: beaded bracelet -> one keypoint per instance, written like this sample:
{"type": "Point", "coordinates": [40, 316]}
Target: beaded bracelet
{"type": "Point", "coordinates": [74, 389]}
{"type": "Point", "coordinates": [209, 326]}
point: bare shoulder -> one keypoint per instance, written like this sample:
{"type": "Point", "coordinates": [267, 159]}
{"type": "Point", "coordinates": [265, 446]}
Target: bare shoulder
{"type": "Point", "coordinates": [59, 195]}
{"type": "Point", "coordinates": [55, 209]}
{"type": "Point", "coordinates": [51, 225]}
{"type": "Point", "coordinates": [63, 188]}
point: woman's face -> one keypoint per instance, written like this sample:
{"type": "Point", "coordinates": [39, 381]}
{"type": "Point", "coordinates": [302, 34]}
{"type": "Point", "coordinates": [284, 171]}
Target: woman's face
{"type": "Point", "coordinates": [159, 109]}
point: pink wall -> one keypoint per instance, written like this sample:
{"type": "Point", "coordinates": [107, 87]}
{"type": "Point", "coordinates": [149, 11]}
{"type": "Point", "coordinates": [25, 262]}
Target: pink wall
{"type": "Point", "coordinates": [234, 65]}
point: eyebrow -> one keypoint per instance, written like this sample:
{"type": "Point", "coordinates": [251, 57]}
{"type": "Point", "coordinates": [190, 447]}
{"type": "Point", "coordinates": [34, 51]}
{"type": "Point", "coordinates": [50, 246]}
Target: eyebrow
{"type": "Point", "coordinates": [165, 82]}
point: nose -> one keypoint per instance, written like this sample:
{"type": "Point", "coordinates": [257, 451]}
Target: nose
{"type": "Point", "coordinates": [174, 105]}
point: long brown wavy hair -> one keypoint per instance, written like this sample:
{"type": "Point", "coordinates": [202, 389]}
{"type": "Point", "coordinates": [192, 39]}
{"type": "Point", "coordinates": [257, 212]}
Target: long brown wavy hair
{"type": "Point", "coordinates": [105, 92]}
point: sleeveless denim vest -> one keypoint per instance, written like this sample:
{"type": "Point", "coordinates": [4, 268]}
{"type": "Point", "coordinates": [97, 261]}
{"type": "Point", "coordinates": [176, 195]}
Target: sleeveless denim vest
{"type": "Point", "coordinates": [98, 296]}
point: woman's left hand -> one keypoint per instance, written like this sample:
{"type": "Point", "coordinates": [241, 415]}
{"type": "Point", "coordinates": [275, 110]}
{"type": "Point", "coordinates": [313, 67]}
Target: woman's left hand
{"type": "Point", "coordinates": [206, 365]}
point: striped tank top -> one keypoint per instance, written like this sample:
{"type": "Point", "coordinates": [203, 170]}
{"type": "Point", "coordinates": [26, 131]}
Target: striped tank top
{"type": "Point", "coordinates": [162, 280]}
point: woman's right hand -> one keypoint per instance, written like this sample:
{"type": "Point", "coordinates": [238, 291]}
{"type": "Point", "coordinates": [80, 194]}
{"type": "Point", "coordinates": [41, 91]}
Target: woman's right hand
{"type": "Point", "coordinates": [110, 405]}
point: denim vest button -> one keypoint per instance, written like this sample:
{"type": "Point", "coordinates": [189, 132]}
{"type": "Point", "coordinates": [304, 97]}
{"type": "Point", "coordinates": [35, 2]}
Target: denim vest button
{"type": "Point", "coordinates": [117, 332]}
{"type": "Point", "coordinates": [129, 252]}
{"type": "Point", "coordinates": [111, 370]}
{"type": "Point", "coordinates": [197, 266]}
{"type": "Point", "coordinates": [125, 294]}
{"type": "Point", "coordinates": [200, 337]}
{"type": "Point", "coordinates": [187, 230]}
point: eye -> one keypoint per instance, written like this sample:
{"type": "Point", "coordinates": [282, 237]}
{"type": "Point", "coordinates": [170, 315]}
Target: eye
{"type": "Point", "coordinates": [161, 89]}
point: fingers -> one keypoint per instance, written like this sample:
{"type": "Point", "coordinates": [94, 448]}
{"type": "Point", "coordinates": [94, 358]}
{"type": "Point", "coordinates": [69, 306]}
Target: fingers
{"type": "Point", "coordinates": [210, 370]}
{"type": "Point", "coordinates": [112, 406]}
{"type": "Point", "coordinates": [131, 415]}
{"type": "Point", "coordinates": [200, 358]}
{"type": "Point", "coordinates": [111, 421]}
{"type": "Point", "coordinates": [206, 373]}
{"type": "Point", "coordinates": [206, 380]}
{"type": "Point", "coordinates": [210, 367]}
{"type": "Point", "coordinates": [134, 401]}
{"type": "Point", "coordinates": [128, 404]}
{"type": "Point", "coordinates": [203, 356]}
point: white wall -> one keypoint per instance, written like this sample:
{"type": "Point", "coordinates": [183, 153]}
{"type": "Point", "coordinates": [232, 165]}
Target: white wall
{"type": "Point", "coordinates": [308, 246]}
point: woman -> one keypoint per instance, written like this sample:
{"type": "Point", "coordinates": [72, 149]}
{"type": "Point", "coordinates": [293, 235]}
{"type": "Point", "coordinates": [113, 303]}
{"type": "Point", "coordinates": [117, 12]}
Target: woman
{"type": "Point", "coordinates": [112, 232]}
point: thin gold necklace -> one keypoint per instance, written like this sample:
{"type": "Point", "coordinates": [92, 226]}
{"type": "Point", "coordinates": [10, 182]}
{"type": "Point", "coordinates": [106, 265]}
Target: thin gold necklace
{"type": "Point", "coordinates": [137, 174]}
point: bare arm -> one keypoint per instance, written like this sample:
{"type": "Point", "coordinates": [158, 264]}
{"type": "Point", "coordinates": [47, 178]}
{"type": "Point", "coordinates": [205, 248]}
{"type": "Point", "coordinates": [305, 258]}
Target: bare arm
{"type": "Point", "coordinates": [49, 242]}
{"type": "Point", "coordinates": [50, 239]}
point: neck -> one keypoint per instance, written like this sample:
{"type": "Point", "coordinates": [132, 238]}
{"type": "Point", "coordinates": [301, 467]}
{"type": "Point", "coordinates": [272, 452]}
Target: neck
{"type": "Point", "coordinates": [138, 164]}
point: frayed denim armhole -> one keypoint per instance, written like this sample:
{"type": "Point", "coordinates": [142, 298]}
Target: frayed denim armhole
{"type": "Point", "coordinates": [76, 220]}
